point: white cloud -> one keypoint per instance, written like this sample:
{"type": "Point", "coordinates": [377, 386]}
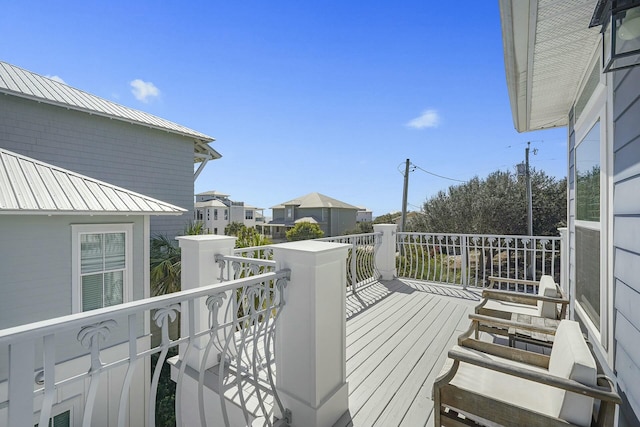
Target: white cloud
{"type": "Point", "coordinates": [428, 119]}
{"type": "Point", "coordinates": [56, 78]}
{"type": "Point", "coordinates": [143, 91]}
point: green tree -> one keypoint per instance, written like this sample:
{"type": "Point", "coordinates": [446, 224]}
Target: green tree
{"type": "Point", "coordinates": [361, 228]}
{"type": "Point", "coordinates": [234, 228]}
{"type": "Point", "coordinates": [495, 205]}
{"type": "Point", "coordinates": [389, 218]}
{"type": "Point", "coordinates": [304, 231]}
{"type": "Point", "coordinates": [165, 262]}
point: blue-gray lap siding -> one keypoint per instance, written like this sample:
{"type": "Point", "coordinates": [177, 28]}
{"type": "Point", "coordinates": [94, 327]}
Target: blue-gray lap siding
{"type": "Point", "coordinates": [626, 232]}
{"type": "Point", "coordinates": [35, 272]}
{"type": "Point", "coordinates": [152, 162]}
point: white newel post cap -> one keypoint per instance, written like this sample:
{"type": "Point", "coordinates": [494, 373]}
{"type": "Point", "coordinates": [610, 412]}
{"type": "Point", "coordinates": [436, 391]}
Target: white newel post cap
{"type": "Point", "coordinates": [200, 269]}
{"type": "Point", "coordinates": [311, 332]}
{"type": "Point", "coordinates": [386, 255]}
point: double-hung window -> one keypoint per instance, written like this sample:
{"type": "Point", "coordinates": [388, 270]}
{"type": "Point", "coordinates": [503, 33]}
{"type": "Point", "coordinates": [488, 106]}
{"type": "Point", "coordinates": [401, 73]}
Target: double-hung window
{"type": "Point", "coordinates": [101, 265]}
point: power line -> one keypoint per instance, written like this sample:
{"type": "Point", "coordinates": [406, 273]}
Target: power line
{"type": "Point", "coordinates": [435, 174]}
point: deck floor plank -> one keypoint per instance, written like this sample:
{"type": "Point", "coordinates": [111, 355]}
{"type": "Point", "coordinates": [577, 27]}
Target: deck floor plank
{"type": "Point", "coordinates": [422, 406]}
{"type": "Point", "coordinates": [385, 370]}
{"type": "Point", "coordinates": [412, 388]}
{"type": "Point", "coordinates": [389, 402]}
{"type": "Point", "coordinates": [398, 335]}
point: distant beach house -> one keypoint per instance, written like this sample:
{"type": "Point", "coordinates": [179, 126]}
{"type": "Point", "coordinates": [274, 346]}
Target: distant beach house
{"type": "Point", "coordinates": [364, 215]}
{"type": "Point", "coordinates": [67, 127]}
{"type": "Point", "coordinates": [68, 244]}
{"type": "Point", "coordinates": [333, 216]}
{"type": "Point", "coordinates": [215, 210]}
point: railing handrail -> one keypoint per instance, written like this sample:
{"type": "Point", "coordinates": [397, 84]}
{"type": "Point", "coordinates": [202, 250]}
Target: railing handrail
{"type": "Point", "coordinates": [515, 236]}
{"type": "Point", "coordinates": [78, 320]}
{"type": "Point", "coordinates": [323, 239]}
{"type": "Point", "coordinates": [255, 261]}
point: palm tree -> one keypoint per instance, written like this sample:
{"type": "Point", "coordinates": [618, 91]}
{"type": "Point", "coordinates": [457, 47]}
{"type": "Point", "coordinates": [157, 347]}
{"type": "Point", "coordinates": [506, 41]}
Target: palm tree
{"type": "Point", "coordinates": [165, 266]}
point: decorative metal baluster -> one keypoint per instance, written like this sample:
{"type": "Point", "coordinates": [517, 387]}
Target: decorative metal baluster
{"type": "Point", "coordinates": [161, 317]}
{"type": "Point", "coordinates": [213, 303]}
{"type": "Point", "coordinates": [133, 359]}
{"type": "Point", "coordinates": [49, 379]}
{"type": "Point", "coordinates": [279, 303]}
{"type": "Point", "coordinates": [89, 337]}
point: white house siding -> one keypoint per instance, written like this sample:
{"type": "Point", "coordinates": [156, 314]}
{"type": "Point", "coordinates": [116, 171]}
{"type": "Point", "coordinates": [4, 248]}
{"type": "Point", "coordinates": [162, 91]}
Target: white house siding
{"type": "Point", "coordinates": [626, 236]}
{"type": "Point", "coordinates": [149, 161]}
{"type": "Point", "coordinates": [35, 270]}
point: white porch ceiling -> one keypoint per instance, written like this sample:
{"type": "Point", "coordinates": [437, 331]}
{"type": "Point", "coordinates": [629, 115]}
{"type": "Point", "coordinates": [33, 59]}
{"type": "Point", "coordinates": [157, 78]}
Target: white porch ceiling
{"type": "Point", "coordinates": [548, 46]}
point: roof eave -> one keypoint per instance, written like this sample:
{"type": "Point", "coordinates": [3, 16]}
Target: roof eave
{"type": "Point", "coordinates": [517, 49]}
{"type": "Point", "coordinates": [85, 213]}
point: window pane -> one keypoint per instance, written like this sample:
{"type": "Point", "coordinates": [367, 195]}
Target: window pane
{"type": "Point", "coordinates": [113, 288]}
{"type": "Point", "coordinates": [588, 272]}
{"type": "Point", "coordinates": [588, 176]}
{"type": "Point", "coordinates": [62, 420]}
{"type": "Point", "coordinates": [91, 253]}
{"type": "Point", "coordinates": [114, 248]}
{"type": "Point", "coordinates": [91, 292]}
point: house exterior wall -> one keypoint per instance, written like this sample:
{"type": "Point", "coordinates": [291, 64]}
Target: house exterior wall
{"type": "Point", "coordinates": [35, 260]}
{"type": "Point", "coordinates": [342, 220]}
{"type": "Point", "coordinates": [626, 233]}
{"type": "Point", "coordinates": [149, 161]}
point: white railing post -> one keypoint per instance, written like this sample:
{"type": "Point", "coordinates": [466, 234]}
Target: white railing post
{"type": "Point", "coordinates": [200, 269]}
{"type": "Point", "coordinates": [564, 260]}
{"type": "Point", "coordinates": [464, 259]}
{"type": "Point", "coordinates": [311, 333]}
{"type": "Point", "coordinates": [386, 255]}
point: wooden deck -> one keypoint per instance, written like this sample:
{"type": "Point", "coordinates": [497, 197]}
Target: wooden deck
{"type": "Point", "coordinates": [398, 335]}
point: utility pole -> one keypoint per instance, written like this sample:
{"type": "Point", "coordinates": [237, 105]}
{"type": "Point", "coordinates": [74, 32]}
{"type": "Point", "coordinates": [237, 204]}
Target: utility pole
{"type": "Point", "coordinates": [529, 193]}
{"type": "Point", "coordinates": [404, 196]}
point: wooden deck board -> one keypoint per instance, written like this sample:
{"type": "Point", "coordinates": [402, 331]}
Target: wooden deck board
{"type": "Point", "coordinates": [397, 342]}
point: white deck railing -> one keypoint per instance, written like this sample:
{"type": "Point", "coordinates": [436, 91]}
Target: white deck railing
{"type": "Point", "coordinates": [242, 315]}
{"type": "Point", "coordinates": [469, 259]}
{"type": "Point", "coordinates": [361, 265]}
{"type": "Point", "coordinates": [361, 261]}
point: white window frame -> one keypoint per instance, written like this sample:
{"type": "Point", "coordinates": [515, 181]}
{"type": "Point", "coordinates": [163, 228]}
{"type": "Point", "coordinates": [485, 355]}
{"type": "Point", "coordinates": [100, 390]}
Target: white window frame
{"type": "Point", "coordinates": [72, 405]}
{"type": "Point", "coordinates": [79, 229]}
{"type": "Point", "coordinates": [597, 110]}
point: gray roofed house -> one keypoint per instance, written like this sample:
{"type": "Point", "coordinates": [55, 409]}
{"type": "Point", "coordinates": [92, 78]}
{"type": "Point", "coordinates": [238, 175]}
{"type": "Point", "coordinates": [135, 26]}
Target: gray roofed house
{"type": "Point", "coordinates": [56, 123]}
{"type": "Point", "coordinates": [333, 216]}
{"type": "Point", "coordinates": [70, 243]}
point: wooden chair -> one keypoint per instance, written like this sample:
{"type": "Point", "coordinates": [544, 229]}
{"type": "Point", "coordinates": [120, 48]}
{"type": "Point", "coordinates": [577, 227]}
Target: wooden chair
{"type": "Point", "coordinates": [549, 303]}
{"type": "Point", "coordinates": [486, 384]}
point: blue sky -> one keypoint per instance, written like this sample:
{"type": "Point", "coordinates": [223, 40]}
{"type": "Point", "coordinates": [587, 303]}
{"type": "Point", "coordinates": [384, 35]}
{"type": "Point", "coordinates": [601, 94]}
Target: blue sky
{"type": "Point", "coordinates": [326, 96]}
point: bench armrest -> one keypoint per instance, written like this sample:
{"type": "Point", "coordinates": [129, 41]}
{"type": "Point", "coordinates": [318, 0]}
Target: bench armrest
{"type": "Point", "coordinates": [597, 392]}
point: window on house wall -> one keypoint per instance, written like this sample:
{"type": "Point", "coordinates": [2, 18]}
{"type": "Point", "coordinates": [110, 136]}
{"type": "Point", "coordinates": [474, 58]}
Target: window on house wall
{"type": "Point", "coordinates": [215, 214]}
{"type": "Point", "coordinates": [101, 265]}
{"type": "Point", "coordinates": [248, 214]}
{"type": "Point", "coordinates": [215, 231]}
{"type": "Point", "coordinates": [208, 214]}
{"type": "Point", "coordinates": [587, 233]}
{"type": "Point", "coordinates": [289, 213]}
{"type": "Point", "coordinates": [226, 215]}
{"type": "Point", "coordinates": [61, 420]}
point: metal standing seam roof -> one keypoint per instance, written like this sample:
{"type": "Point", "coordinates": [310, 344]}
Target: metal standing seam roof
{"type": "Point", "coordinates": [26, 84]}
{"type": "Point", "coordinates": [30, 186]}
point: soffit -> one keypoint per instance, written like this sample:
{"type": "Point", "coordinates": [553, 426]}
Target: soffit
{"type": "Point", "coordinates": [548, 47]}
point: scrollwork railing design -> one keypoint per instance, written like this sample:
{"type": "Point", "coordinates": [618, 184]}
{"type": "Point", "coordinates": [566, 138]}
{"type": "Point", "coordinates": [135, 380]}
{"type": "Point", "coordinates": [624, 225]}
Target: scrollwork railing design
{"type": "Point", "coordinates": [233, 322]}
{"type": "Point", "coordinates": [361, 260]}
{"type": "Point", "coordinates": [469, 259]}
